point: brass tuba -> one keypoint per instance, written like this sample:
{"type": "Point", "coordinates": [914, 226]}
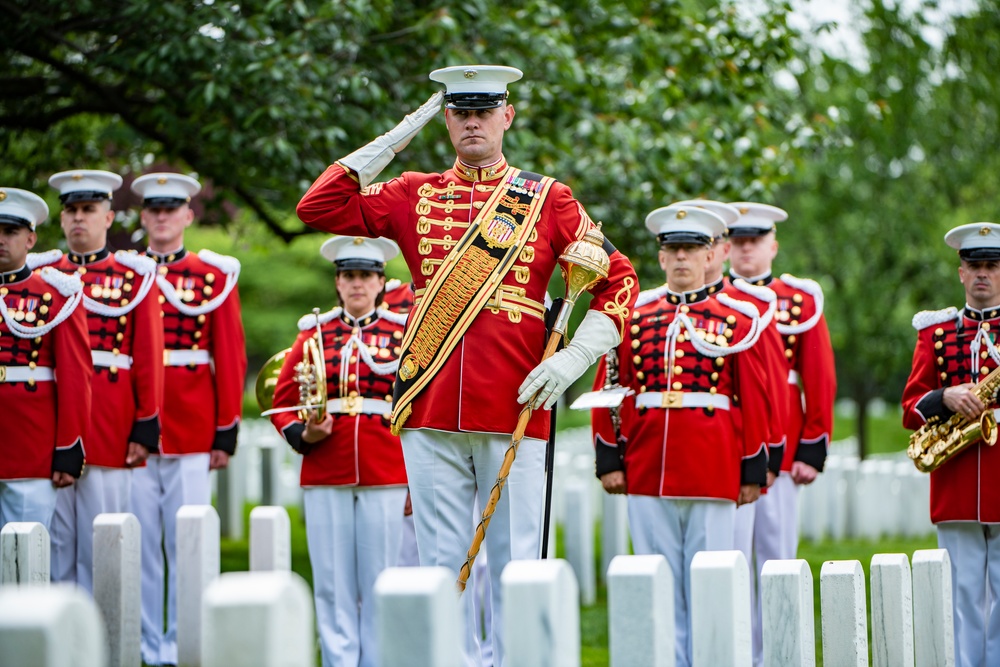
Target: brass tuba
{"type": "Point", "coordinates": [310, 374]}
{"type": "Point", "coordinates": [938, 441]}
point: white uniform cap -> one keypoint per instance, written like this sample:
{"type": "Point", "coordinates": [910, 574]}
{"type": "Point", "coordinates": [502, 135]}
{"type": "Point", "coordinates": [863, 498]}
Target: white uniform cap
{"type": "Point", "coordinates": [475, 86]}
{"type": "Point", "coordinates": [729, 214]}
{"type": "Point", "coordinates": [685, 224]}
{"type": "Point", "coordinates": [976, 241]}
{"type": "Point", "coordinates": [20, 207]}
{"type": "Point", "coordinates": [755, 219]}
{"type": "Point", "coordinates": [85, 185]}
{"type": "Point", "coordinates": [165, 189]}
{"type": "Point", "coordinates": [359, 252]}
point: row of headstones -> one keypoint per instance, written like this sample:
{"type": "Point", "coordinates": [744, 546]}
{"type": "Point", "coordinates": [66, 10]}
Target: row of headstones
{"type": "Point", "coordinates": [34, 616]}
{"type": "Point", "coordinates": [266, 618]}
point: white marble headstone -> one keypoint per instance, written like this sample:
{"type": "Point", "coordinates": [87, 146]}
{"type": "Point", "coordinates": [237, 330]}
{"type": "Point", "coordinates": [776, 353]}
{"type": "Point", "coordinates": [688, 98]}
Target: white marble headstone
{"type": "Point", "coordinates": [117, 584]}
{"type": "Point", "coordinates": [614, 528]}
{"type": "Point", "coordinates": [197, 566]}
{"type": "Point", "coordinates": [933, 622]}
{"type": "Point", "coordinates": [541, 614]}
{"type": "Point", "coordinates": [720, 609]}
{"type": "Point", "coordinates": [578, 534]}
{"type": "Point", "coordinates": [419, 618]}
{"type": "Point", "coordinates": [892, 611]}
{"type": "Point", "coordinates": [25, 552]}
{"type": "Point", "coordinates": [786, 588]}
{"type": "Point", "coordinates": [641, 612]}
{"type": "Point", "coordinates": [270, 539]}
{"type": "Point", "coordinates": [844, 614]}
{"type": "Point", "coordinates": [51, 626]}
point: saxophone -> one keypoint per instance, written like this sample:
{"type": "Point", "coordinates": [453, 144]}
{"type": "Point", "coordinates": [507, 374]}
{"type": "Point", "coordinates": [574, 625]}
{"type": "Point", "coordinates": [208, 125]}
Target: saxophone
{"type": "Point", "coordinates": [938, 441]}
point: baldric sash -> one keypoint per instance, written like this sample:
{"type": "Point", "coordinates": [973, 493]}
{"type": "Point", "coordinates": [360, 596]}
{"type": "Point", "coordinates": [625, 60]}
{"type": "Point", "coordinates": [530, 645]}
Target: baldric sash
{"type": "Point", "coordinates": [464, 283]}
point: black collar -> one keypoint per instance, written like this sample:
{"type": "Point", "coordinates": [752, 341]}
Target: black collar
{"type": "Point", "coordinates": [687, 297]}
{"type": "Point", "coordinates": [982, 315]}
{"type": "Point", "coordinates": [359, 322]}
{"type": "Point", "coordinates": [717, 286]}
{"type": "Point", "coordinates": [167, 258]}
{"type": "Point", "coordinates": [89, 257]}
{"type": "Point", "coordinates": [763, 280]}
{"type": "Point", "coordinates": [15, 276]}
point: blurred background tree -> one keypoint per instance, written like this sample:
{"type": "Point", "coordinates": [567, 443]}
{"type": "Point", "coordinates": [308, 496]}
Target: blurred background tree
{"type": "Point", "coordinates": [634, 104]}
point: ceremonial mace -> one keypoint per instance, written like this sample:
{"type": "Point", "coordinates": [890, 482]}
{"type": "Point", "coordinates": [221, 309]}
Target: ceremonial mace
{"type": "Point", "coordinates": [583, 264]}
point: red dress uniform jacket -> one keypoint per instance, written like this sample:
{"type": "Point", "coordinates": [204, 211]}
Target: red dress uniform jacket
{"type": "Point", "coordinates": [426, 214]}
{"type": "Point", "coordinates": [398, 297]}
{"type": "Point", "coordinates": [688, 452]}
{"type": "Point", "coordinates": [204, 352]}
{"type": "Point", "coordinates": [809, 353]}
{"type": "Point", "coordinates": [772, 348]}
{"type": "Point", "coordinates": [361, 358]}
{"type": "Point", "coordinates": [954, 348]}
{"type": "Point", "coordinates": [120, 297]}
{"type": "Point", "coordinates": [45, 422]}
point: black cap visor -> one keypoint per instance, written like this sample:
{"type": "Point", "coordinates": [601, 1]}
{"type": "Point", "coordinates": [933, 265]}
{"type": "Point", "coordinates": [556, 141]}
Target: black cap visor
{"type": "Point", "coordinates": [163, 202]}
{"type": "Point", "coordinates": [359, 264]}
{"type": "Point", "coordinates": [14, 220]}
{"type": "Point", "coordinates": [684, 238]}
{"type": "Point", "coordinates": [979, 254]}
{"type": "Point", "coordinates": [749, 232]}
{"type": "Point", "coordinates": [474, 101]}
{"type": "Point", "coordinates": [83, 195]}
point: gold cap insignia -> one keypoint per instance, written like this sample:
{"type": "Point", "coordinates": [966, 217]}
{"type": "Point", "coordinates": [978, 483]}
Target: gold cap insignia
{"type": "Point", "coordinates": [470, 74]}
{"type": "Point", "coordinates": [744, 210]}
{"type": "Point", "coordinates": [162, 180]}
{"type": "Point", "coordinates": [984, 231]}
{"type": "Point", "coordinates": [681, 215]}
{"type": "Point", "coordinates": [3, 195]}
{"type": "Point", "coordinates": [358, 240]}
{"type": "Point", "coordinates": [77, 177]}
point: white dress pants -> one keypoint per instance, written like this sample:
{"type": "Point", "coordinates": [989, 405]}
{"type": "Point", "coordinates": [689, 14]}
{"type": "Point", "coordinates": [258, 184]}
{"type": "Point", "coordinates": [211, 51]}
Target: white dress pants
{"type": "Point", "coordinates": [158, 491]}
{"type": "Point", "coordinates": [408, 547]}
{"type": "Point", "coordinates": [354, 533]}
{"type": "Point", "coordinates": [98, 491]}
{"type": "Point", "coordinates": [446, 472]}
{"type": "Point", "coordinates": [27, 500]}
{"type": "Point", "coordinates": [974, 549]}
{"type": "Point", "coordinates": [767, 530]}
{"type": "Point", "coordinates": [679, 528]}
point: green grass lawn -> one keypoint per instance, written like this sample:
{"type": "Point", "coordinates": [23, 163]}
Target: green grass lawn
{"type": "Point", "coordinates": [594, 618]}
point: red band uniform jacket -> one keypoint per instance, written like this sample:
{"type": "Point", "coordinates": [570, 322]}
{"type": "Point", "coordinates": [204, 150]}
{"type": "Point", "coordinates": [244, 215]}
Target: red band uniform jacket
{"type": "Point", "coordinates": [120, 298]}
{"type": "Point", "coordinates": [955, 347]}
{"type": "Point", "coordinates": [810, 363]}
{"type": "Point", "coordinates": [361, 359]}
{"type": "Point", "coordinates": [204, 352]}
{"type": "Point", "coordinates": [425, 214]}
{"type": "Point", "coordinates": [43, 331]}
{"type": "Point", "coordinates": [688, 452]}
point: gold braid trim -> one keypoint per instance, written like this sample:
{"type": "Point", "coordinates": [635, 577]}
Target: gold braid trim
{"type": "Point", "coordinates": [618, 306]}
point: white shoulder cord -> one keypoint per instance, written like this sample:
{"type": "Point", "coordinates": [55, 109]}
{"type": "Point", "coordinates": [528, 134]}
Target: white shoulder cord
{"type": "Point", "coordinates": [388, 368]}
{"type": "Point", "coordinates": [146, 268]}
{"type": "Point", "coordinates": [192, 311]}
{"type": "Point", "coordinates": [308, 321]}
{"type": "Point", "coordinates": [810, 287]}
{"type": "Point", "coordinates": [395, 318]}
{"type": "Point", "coordinates": [65, 285]}
{"type": "Point", "coordinates": [976, 344]}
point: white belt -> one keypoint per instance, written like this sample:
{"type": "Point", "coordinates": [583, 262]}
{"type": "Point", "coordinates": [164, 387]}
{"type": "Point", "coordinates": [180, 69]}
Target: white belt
{"type": "Point", "coordinates": [357, 404]}
{"type": "Point", "coordinates": [793, 377]}
{"type": "Point", "coordinates": [109, 359]}
{"type": "Point", "coordinates": [681, 399]}
{"type": "Point", "coordinates": [186, 357]}
{"type": "Point", "coordinates": [25, 373]}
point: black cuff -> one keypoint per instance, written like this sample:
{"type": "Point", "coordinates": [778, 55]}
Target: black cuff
{"type": "Point", "coordinates": [225, 439]}
{"type": "Point", "coordinates": [293, 436]}
{"type": "Point", "coordinates": [753, 469]}
{"type": "Point", "coordinates": [812, 453]}
{"type": "Point", "coordinates": [147, 433]}
{"type": "Point", "coordinates": [775, 455]}
{"type": "Point", "coordinates": [609, 458]}
{"type": "Point", "coordinates": [69, 460]}
{"type": "Point", "coordinates": [932, 405]}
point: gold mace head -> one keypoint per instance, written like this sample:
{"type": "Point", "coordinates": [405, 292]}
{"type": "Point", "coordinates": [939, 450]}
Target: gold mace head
{"type": "Point", "coordinates": [584, 263]}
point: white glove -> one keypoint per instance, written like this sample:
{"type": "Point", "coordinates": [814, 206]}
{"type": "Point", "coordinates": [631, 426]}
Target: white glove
{"type": "Point", "coordinates": [370, 160]}
{"type": "Point", "coordinates": [596, 335]}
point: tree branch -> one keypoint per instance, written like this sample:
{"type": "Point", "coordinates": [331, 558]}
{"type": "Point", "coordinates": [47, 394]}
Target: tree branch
{"type": "Point", "coordinates": [266, 217]}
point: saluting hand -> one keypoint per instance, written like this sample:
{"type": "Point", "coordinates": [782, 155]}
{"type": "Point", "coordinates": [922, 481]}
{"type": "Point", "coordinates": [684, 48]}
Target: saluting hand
{"type": "Point", "coordinates": [961, 400]}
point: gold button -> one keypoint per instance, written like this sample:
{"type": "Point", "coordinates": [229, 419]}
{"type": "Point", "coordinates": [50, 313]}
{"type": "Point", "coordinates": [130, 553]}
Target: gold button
{"type": "Point", "coordinates": [113, 370]}
{"type": "Point", "coordinates": [119, 337]}
{"type": "Point", "coordinates": [195, 346]}
{"type": "Point", "coordinates": [709, 409]}
{"type": "Point", "coordinates": [32, 365]}
{"type": "Point", "coordinates": [796, 311]}
{"type": "Point", "coordinates": [939, 331]}
{"type": "Point", "coordinates": [397, 335]}
{"type": "Point", "coordinates": [677, 386]}
{"type": "Point", "coordinates": [685, 309]}
{"type": "Point", "coordinates": [983, 370]}
{"type": "Point", "coordinates": [712, 390]}
{"type": "Point", "coordinates": [123, 320]}
{"type": "Point", "coordinates": [396, 350]}
{"type": "Point", "coordinates": [635, 345]}
{"type": "Point", "coordinates": [791, 339]}
{"type": "Point", "coordinates": [731, 319]}
{"type": "Point", "coordinates": [197, 335]}
{"type": "Point", "coordinates": [207, 290]}
{"type": "Point", "coordinates": [635, 315]}
{"type": "Point", "coordinates": [640, 376]}
{"type": "Point", "coordinates": [352, 393]}
{"type": "Point", "coordinates": [209, 278]}
{"type": "Point", "coordinates": [789, 353]}
{"type": "Point", "coordinates": [938, 345]}
{"type": "Point", "coordinates": [354, 360]}
{"type": "Point", "coordinates": [163, 299]}
{"type": "Point", "coordinates": [129, 275]}
{"type": "Point", "coordinates": [728, 333]}
{"type": "Point", "coordinates": [944, 376]}
{"type": "Point", "coordinates": [47, 297]}
{"type": "Point", "coordinates": [984, 354]}
{"type": "Point", "coordinates": [679, 353]}
{"type": "Point", "coordinates": [720, 362]}
{"type": "Point", "coordinates": [43, 310]}
{"type": "Point", "coordinates": [986, 326]}
{"type": "Point", "coordinates": [201, 319]}
{"type": "Point", "coordinates": [82, 270]}
{"type": "Point", "coordinates": [678, 370]}
{"type": "Point", "coordinates": [642, 389]}
{"type": "Point", "coordinates": [635, 329]}
{"type": "Point", "coordinates": [637, 360]}
{"type": "Point", "coordinates": [352, 377]}
{"type": "Point", "coordinates": [797, 298]}
{"type": "Point", "coordinates": [795, 323]}
{"type": "Point", "coordinates": [388, 398]}
{"type": "Point", "coordinates": [115, 351]}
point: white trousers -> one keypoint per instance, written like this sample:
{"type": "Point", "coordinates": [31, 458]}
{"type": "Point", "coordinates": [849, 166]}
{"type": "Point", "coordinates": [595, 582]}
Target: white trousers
{"type": "Point", "coordinates": [767, 530]}
{"type": "Point", "coordinates": [678, 529]}
{"type": "Point", "coordinates": [974, 549]}
{"type": "Point", "coordinates": [408, 544]}
{"type": "Point", "coordinates": [158, 491]}
{"type": "Point", "coordinates": [27, 500]}
{"type": "Point", "coordinates": [99, 490]}
{"type": "Point", "coordinates": [354, 533]}
{"type": "Point", "coordinates": [446, 472]}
